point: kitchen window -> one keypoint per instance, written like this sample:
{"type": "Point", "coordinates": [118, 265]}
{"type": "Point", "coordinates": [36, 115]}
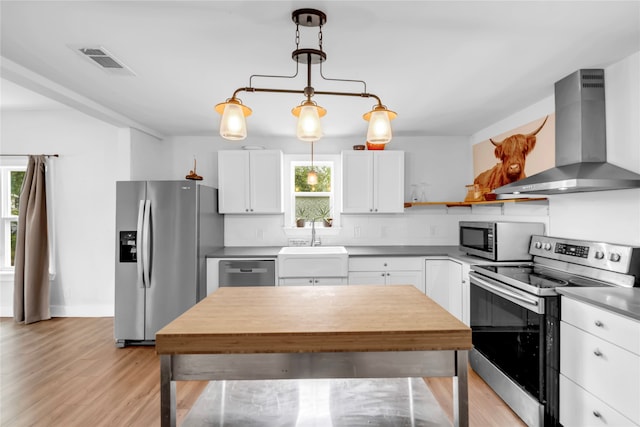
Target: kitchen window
{"type": "Point", "coordinates": [317, 202]}
{"type": "Point", "coordinates": [11, 183]}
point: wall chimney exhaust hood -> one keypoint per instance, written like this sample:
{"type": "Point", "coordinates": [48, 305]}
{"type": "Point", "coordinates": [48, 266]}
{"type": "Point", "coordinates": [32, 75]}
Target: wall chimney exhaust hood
{"type": "Point", "coordinates": [581, 152]}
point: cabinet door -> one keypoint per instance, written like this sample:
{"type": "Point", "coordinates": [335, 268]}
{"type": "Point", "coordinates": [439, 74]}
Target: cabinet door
{"type": "Point", "coordinates": [329, 281]}
{"type": "Point", "coordinates": [466, 294]}
{"type": "Point", "coordinates": [296, 281]}
{"type": "Point", "coordinates": [437, 281]}
{"type": "Point", "coordinates": [266, 181]}
{"type": "Point", "coordinates": [233, 181]}
{"type": "Point", "coordinates": [579, 408]}
{"type": "Point", "coordinates": [367, 278]}
{"type": "Point", "coordinates": [406, 278]}
{"type": "Point", "coordinates": [455, 290]}
{"type": "Point", "coordinates": [388, 181]}
{"type": "Point", "coordinates": [357, 182]}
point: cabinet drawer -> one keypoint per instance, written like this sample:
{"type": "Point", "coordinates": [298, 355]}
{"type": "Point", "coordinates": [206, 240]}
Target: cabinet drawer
{"type": "Point", "coordinates": [579, 408]}
{"type": "Point", "coordinates": [607, 325]}
{"type": "Point", "coordinates": [609, 372]}
{"type": "Point", "coordinates": [384, 264]}
{"type": "Point", "coordinates": [313, 281]}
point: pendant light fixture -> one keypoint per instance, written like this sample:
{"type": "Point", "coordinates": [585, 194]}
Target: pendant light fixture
{"type": "Point", "coordinates": [233, 123]}
{"type": "Point", "coordinates": [312, 176]}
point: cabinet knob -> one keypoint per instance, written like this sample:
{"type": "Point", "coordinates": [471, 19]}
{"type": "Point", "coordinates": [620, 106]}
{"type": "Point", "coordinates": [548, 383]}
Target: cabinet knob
{"type": "Point", "coordinates": [246, 210]}
{"type": "Point", "coordinates": [596, 414]}
{"type": "Point", "coordinates": [597, 352]}
{"type": "Point", "coordinates": [382, 274]}
{"type": "Point", "coordinates": [371, 210]}
{"type": "Point", "coordinates": [388, 274]}
{"type": "Point", "coordinates": [310, 281]}
{"type": "Point", "coordinates": [598, 323]}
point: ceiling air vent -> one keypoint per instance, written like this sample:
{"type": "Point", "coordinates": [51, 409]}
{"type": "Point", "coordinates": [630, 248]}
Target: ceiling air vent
{"type": "Point", "coordinates": [104, 59]}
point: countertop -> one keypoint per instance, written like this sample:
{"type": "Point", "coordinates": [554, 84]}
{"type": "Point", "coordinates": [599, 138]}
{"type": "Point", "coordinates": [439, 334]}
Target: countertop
{"type": "Point", "coordinates": [293, 319]}
{"type": "Point", "coordinates": [356, 251]}
{"type": "Point", "coordinates": [624, 301]}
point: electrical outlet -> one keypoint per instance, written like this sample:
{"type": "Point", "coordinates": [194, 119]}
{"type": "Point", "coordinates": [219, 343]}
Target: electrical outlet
{"type": "Point", "coordinates": [298, 242]}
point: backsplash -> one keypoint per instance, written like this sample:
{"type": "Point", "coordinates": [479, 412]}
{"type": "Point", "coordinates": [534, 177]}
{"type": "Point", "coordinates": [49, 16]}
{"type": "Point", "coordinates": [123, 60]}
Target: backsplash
{"type": "Point", "coordinates": [417, 226]}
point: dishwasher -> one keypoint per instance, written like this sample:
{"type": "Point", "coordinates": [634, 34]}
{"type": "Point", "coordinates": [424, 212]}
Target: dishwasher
{"type": "Point", "coordinates": [246, 273]}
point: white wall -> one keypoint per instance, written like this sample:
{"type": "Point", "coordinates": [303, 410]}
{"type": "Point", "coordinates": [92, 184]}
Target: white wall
{"type": "Point", "coordinates": [612, 216]}
{"type": "Point", "coordinates": [84, 205]}
{"type": "Point", "coordinates": [442, 162]}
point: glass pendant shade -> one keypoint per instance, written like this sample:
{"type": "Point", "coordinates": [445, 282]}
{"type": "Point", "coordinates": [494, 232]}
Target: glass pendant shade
{"type": "Point", "coordinates": [379, 131]}
{"type": "Point", "coordinates": [233, 125]}
{"type": "Point", "coordinates": [312, 178]}
{"type": "Point", "coordinates": [309, 128]}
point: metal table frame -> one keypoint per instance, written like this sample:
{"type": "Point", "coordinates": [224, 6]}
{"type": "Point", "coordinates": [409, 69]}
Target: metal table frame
{"type": "Point", "coordinates": [263, 366]}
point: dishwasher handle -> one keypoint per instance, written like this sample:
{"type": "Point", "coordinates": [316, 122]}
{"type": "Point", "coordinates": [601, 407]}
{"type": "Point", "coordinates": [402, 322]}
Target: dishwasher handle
{"type": "Point", "coordinates": [248, 272]}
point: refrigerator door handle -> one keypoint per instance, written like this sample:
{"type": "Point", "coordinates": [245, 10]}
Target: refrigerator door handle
{"type": "Point", "coordinates": [146, 242]}
{"type": "Point", "coordinates": [139, 234]}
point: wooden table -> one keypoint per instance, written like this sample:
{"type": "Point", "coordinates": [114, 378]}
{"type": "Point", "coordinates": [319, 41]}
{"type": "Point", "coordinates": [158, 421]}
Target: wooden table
{"type": "Point", "coordinates": [314, 332]}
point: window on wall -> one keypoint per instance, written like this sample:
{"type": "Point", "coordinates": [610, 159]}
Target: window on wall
{"type": "Point", "coordinates": [11, 183]}
{"type": "Point", "coordinates": [312, 202]}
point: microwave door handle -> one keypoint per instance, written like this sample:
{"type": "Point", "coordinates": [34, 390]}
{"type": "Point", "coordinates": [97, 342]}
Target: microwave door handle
{"type": "Point", "coordinates": [504, 291]}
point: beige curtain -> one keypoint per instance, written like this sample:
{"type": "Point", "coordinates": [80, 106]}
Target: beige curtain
{"type": "Point", "coordinates": [31, 282]}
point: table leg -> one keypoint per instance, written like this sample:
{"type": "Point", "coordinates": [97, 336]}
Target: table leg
{"type": "Point", "coordinates": [167, 393]}
{"type": "Point", "coordinates": [461, 390]}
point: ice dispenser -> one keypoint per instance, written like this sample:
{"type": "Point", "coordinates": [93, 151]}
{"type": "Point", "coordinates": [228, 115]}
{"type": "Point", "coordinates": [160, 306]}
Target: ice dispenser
{"type": "Point", "coordinates": [128, 249]}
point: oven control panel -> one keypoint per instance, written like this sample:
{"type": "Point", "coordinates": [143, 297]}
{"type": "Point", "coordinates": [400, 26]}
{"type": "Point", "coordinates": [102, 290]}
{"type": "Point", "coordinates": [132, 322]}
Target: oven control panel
{"type": "Point", "coordinates": [606, 256]}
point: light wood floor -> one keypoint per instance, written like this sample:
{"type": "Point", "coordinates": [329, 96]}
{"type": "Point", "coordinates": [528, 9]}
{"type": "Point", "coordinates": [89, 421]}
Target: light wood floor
{"type": "Point", "coordinates": [68, 372]}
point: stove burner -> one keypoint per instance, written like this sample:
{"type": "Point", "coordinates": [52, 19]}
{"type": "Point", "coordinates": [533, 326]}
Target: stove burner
{"type": "Point", "coordinates": [535, 278]}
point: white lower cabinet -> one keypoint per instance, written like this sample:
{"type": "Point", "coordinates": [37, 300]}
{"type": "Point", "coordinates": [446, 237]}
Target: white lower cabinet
{"type": "Point", "coordinates": [599, 367]}
{"type": "Point", "coordinates": [313, 281]}
{"type": "Point", "coordinates": [447, 284]}
{"type": "Point", "coordinates": [386, 271]}
{"type": "Point", "coordinates": [579, 408]}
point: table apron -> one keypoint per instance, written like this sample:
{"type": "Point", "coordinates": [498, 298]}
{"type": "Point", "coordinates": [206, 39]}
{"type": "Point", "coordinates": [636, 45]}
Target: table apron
{"type": "Point", "coordinates": [263, 366]}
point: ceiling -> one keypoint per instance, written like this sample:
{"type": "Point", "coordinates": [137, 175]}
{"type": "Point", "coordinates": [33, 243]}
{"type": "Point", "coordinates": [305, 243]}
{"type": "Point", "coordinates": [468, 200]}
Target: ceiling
{"type": "Point", "coordinates": [446, 67]}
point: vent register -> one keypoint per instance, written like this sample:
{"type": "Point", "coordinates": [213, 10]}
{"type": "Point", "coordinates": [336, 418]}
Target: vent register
{"type": "Point", "coordinates": [104, 59]}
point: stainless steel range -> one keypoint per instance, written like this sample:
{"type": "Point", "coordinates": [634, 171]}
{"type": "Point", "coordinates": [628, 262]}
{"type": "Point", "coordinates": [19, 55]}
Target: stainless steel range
{"type": "Point", "coordinates": [515, 317]}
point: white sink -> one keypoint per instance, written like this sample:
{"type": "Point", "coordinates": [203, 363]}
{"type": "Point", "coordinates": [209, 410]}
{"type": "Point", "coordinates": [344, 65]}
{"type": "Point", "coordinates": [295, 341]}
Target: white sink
{"type": "Point", "coordinates": [313, 261]}
{"type": "Point", "coordinates": [313, 250]}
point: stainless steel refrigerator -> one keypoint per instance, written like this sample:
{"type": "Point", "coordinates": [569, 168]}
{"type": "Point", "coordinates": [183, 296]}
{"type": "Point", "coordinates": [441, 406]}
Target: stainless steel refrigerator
{"type": "Point", "coordinates": [164, 229]}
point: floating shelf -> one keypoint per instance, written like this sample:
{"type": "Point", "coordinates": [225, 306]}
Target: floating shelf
{"type": "Point", "coordinates": [488, 202]}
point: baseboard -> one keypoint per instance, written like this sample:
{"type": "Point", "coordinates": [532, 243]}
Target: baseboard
{"type": "Point", "coordinates": [82, 311]}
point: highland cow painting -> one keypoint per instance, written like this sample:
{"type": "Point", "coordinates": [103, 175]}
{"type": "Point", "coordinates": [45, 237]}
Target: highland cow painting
{"type": "Point", "coordinates": [516, 154]}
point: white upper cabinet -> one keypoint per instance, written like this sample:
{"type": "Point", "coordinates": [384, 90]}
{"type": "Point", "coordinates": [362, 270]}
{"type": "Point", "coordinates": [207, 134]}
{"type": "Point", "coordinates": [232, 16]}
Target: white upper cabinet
{"type": "Point", "coordinates": [250, 182]}
{"type": "Point", "coordinates": [373, 181]}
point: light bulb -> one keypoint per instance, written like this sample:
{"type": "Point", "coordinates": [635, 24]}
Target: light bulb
{"type": "Point", "coordinates": [309, 128]}
{"type": "Point", "coordinates": [312, 178]}
{"type": "Point", "coordinates": [379, 131]}
{"type": "Point", "coordinates": [233, 125]}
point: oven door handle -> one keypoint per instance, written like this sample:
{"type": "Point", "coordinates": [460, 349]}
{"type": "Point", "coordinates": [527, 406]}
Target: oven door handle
{"type": "Point", "coordinates": [503, 291]}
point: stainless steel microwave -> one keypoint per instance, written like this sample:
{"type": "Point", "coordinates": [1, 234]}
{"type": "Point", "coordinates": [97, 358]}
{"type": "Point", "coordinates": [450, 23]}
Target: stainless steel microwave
{"type": "Point", "coordinates": [498, 240]}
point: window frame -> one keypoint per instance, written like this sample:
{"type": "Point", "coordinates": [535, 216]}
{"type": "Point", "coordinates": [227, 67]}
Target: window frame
{"type": "Point", "coordinates": [6, 218]}
{"type": "Point", "coordinates": [335, 196]}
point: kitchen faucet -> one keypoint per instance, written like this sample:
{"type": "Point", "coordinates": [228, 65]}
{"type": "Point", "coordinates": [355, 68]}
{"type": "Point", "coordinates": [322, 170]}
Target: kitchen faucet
{"type": "Point", "coordinates": [313, 234]}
